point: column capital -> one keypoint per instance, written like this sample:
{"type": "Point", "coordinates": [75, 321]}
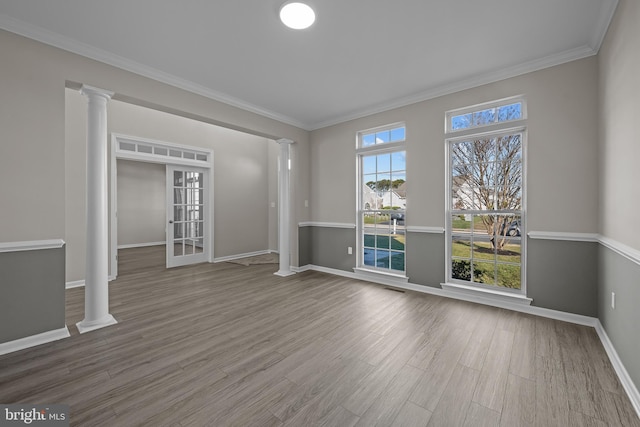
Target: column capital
{"type": "Point", "coordinates": [284, 141]}
{"type": "Point", "coordinates": [94, 91]}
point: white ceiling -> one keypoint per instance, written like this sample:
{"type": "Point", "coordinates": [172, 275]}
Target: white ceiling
{"type": "Point", "coordinates": [360, 56]}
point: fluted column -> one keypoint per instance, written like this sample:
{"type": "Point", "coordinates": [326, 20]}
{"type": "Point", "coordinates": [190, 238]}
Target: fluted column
{"type": "Point", "coordinates": [284, 204]}
{"type": "Point", "coordinates": [96, 290]}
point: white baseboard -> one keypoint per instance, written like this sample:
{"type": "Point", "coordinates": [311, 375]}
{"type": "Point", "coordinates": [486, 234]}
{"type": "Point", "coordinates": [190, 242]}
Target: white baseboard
{"type": "Point", "coordinates": [141, 245]}
{"type": "Point", "coordinates": [75, 284]}
{"type": "Point", "coordinates": [34, 340]}
{"type": "Point", "coordinates": [625, 379]}
{"type": "Point", "coordinates": [238, 256]}
{"type": "Point", "coordinates": [623, 375]}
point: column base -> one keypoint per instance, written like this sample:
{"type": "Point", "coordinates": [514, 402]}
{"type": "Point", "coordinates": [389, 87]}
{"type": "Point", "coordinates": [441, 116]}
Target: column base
{"type": "Point", "coordinates": [284, 273]}
{"type": "Point", "coordinates": [85, 326]}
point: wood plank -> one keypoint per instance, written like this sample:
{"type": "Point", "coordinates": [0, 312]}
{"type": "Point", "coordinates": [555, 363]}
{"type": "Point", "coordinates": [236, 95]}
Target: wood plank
{"type": "Point", "coordinates": [519, 408]}
{"type": "Point", "coordinates": [492, 383]}
{"type": "Point", "coordinates": [452, 407]}
{"type": "Point", "coordinates": [412, 415]}
{"type": "Point", "coordinates": [479, 416]}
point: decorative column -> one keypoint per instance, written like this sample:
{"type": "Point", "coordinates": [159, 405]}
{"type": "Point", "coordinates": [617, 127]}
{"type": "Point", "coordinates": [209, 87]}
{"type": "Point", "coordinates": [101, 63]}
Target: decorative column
{"type": "Point", "coordinates": [284, 207]}
{"type": "Point", "coordinates": [96, 289]}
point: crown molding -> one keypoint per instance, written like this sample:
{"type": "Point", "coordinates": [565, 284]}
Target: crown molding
{"type": "Point", "coordinates": [70, 45]}
{"type": "Point", "coordinates": [460, 85]}
{"type": "Point", "coordinates": [607, 10]}
{"type": "Point", "coordinates": [37, 33]}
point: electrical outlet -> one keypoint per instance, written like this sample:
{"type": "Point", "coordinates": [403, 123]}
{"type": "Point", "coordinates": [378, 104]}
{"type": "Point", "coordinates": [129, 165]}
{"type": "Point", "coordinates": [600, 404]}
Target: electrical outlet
{"type": "Point", "coordinates": [613, 300]}
{"type": "Point", "coordinates": [306, 203]}
{"type": "Point", "coordinates": [350, 250]}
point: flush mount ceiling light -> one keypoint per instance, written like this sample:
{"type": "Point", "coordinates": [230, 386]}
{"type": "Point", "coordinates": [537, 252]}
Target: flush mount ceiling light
{"type": "Point", "coordinates": [297, 15]}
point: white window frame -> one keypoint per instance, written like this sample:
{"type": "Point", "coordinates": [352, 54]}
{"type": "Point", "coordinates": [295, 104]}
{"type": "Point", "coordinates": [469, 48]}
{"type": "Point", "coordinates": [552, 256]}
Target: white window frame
{"type": "Point", "coordinates": [361, 152]}
{"type": "Point", "coordinates": [480, 132]}
{"type": "Point", "coordinates": [484, 106]}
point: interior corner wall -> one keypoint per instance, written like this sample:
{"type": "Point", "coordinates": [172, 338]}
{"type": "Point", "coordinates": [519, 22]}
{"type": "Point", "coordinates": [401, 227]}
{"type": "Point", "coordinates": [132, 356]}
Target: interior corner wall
{"type": "Point", "coordinates": [619, 269]}
{"type": "Point", "coordinates": [561, 177]}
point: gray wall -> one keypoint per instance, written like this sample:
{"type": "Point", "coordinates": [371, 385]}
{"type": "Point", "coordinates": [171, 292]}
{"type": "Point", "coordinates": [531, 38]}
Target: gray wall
{"type": "Point", "coordinates": [142, 208]}
{"type": "Point", "coordinates": [425, 258]}
{"type": "Point", "coordinates": [620, 275]}
{"type": "Point", "coordinates": [619, 62]}
{"type": "Point", "coordinates": [32, 284]}
{"type": "Point", "coordinates": [563, 275]}
{"type": "Point", "coordinates": [328, 247]}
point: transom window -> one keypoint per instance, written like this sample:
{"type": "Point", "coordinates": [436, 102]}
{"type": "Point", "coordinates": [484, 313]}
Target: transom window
{"type": "Point", "coordinates": [485, 214]}
{"type": "Point", "coordinates": [382, 199]}
{"type": "Point", "coordinates": [487, 114]}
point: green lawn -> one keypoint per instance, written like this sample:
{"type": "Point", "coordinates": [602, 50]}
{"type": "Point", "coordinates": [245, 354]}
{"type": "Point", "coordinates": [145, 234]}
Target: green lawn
{"type": "Point", "coordinates": [507, 275]}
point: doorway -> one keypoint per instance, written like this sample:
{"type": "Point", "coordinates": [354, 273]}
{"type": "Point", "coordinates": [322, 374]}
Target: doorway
{"type": "Point", "coordinates": [189, 185]}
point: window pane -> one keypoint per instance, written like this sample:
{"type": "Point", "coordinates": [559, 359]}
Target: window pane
{"type": "Point", "coordinates": [484, 272]}
{"type": "Point", "coordinates": [484, 117]}
{"type": "Point", "coordinates": [510, 112]}
{"type": "Point", "coordinates": [399, 161]}
{"type": "Point", "coordinates": [177, 179]}
{"type": "Point", "coordinates": [383, 162]}
{"type": "Point", "coordinates": [398, 134]}
{"type": "Point", "coordinates": [461, 122]}
{"type": "Point", "coordinates": [383, 137]}
{"type": "Point", "coordinates": [368, 140]}
{"type": "Point", "coordinates": [461, 152]}
{"type": "Point", "coordinates": [509, 276]}
{"type": "Point", "coordinates": [178, 249]}
{"type": "Point", "coordinates": [461, 269]}
{"type": "Point", "coordinates": [509, 148]}
{"type": "Point", "coordinates": [397, 241]}
{"type": "Point", "coordinates": [382, 241]}
{"type": "Point", "coordinates": [199, 246]}
{"type": "Point", "coordinates": [368, 164]}
{"type": "Point", "coordinates": [382, 258]}
{"type": "Point", "coordinates": [178, 213]}
{"type": "Point", "coordinates": [369, 257]}
{"type": "Point", "coordinates": [397, 261]}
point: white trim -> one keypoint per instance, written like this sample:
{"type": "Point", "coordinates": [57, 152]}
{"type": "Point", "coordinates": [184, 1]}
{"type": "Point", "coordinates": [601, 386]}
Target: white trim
{"type": "Point", "coordinates": [31, 245]}
{"type": "Point", "coordinates": [54, 39]}
{"type": "Point", "coordinates": [84, 326]}
{"type": "Point", "coordinates": [141, 245]}
{"type": "Point", "coordinates": [366, 274]}
{"type": "Point", "coordinates": [421, 229]}
{"type": "Point", "coordinates": [572, 237]}
{"type": "Point", "coordinates": [485, 293]}
{"type": "Point", "coordinates": [621, 249]}
{"type": "Point", "coordinates": [326, 224]}
{"type": "Point", "coordinates": [34, 340]}
{"type": "Point", "coordinates": [602, 24]}
{"type": "Point", "coordinates": [536, 311]}
{"type": "Point", "coordinates": [618, 366]}
{"type": "Point", "coordinates": [74, 284]}
{"type": "Point", "coordinates": [245, 255]}
{"type": "Point", "coordinates": [475, 81]}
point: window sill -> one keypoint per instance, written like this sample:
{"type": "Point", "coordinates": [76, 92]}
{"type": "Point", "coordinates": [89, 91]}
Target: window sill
{"type": "Point", "coordinates": [365, 273]}
{"type": "Point", "coordinates": [486, 294]}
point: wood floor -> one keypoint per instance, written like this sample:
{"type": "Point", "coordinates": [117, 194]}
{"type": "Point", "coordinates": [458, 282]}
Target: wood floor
{"type": "Point", "coordinates": [224, 344]}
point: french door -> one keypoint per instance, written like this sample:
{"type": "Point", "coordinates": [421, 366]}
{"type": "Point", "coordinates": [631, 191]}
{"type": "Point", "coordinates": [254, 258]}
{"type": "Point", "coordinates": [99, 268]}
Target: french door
{"type": "Point", "coordinates": [187, 234]}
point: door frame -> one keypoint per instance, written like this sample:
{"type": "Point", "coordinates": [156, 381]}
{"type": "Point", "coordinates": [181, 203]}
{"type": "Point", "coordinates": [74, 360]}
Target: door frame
{"type": "Point", "coordinates": [153, 151]}
{"type": "Point", "coordinates": [172, 260]}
